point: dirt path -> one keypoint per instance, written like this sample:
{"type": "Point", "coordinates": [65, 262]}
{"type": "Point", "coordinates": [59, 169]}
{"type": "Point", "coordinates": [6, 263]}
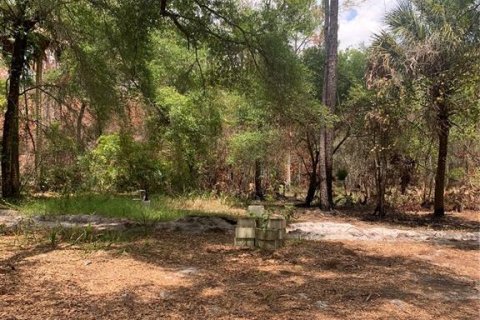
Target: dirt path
{"type": "Point", "coordinates": [309, 230]}
{"type": "Point", "coordinates": [11, 219]}
{"type": "Point", "coordinates": [347, 231]}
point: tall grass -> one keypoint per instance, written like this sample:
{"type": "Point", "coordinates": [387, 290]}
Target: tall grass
{"type": "Point", "coordinates": [102, 205]}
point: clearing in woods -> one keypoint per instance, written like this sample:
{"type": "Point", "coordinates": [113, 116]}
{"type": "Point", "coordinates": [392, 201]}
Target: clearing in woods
{"type": "Point", "coordinates": [172, 274]}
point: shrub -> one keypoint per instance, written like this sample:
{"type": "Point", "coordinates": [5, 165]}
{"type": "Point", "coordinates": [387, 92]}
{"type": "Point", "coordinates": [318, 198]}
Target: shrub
{"type": "Point", "coordinates": [63, 172]}
{"type": "Point", "coordinates": [119, 163]}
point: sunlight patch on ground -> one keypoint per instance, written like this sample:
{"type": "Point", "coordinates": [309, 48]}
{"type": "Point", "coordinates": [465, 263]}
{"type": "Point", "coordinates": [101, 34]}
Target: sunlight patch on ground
{"type": "Point", "coordinates": [101, 274]}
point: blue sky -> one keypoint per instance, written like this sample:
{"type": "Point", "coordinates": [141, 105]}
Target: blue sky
{"type": "Point", "coordinates": [350, 14]}
{"type": "Point", "coordinates": [360, 21]}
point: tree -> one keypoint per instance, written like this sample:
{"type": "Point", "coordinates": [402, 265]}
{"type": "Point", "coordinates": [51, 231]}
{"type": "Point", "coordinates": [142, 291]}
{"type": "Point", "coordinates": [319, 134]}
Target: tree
{"type": "Point", "coordinates": [27, 28]}
{"type": "Point", "coordinates": [351, 70]}
{"type": "Point", "coordinates": [435, 42]}
{"type": "Point", "coordinates": [379, 109]}
{"type": "Point", "coordinates": [279, 86]}
{"type": "Point", "coordinates": [41, 45]}
{"type": "Point", "coordinates": [19, 20]}
{"type": "Point", "coordinates": [329, 98]}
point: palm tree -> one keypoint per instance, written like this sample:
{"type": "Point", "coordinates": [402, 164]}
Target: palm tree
{"type": "Point", "coordinates": [438, 41]}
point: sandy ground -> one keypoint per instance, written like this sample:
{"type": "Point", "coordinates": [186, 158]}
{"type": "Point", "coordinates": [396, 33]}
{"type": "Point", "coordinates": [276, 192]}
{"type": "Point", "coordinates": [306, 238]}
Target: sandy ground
{"type": "Point", "coordinates": [346, 231]}
{"type": "Point", "coordinates": [180, 275]}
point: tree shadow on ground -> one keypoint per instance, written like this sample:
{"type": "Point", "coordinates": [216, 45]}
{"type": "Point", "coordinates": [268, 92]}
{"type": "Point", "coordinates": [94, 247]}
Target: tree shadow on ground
{"type": "Point", "coordinates": [471, 245]}
{"type": "Point", "coordinates": [10, 265]}
{"type": "Point", "coordinates": [467, 221]}
{"type": "Point", "coordinates": [304, 280]}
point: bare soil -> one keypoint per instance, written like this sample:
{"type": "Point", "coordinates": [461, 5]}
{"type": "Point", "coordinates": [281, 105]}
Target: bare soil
{"type": "Point", "coordinates": [179, 275]}
{"type": "Point", "coordinates": [467, 220]}
{"type": "Point", "coordinates": [328, 230]}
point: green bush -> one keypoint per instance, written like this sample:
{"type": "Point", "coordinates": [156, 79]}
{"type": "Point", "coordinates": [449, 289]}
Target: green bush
{"type": "Point", "coordinates": [119, 163]}
{"type": "Point", "coordinates": [63, 172]}
{"type": "Point", "coordinates": [456, 174]}
{"type": "Point", "coordinates": [342, 174]}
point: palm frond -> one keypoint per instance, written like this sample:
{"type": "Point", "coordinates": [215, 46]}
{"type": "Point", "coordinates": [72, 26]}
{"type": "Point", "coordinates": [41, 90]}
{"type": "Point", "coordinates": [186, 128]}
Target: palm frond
{"type": "Point", "coordinates": [386, 59]}
{"type": "Point", "coordinates": [406, 24]}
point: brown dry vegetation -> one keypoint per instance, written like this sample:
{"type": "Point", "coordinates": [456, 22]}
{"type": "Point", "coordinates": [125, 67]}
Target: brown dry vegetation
{"type": "Point", "coordinates": [184, 276]}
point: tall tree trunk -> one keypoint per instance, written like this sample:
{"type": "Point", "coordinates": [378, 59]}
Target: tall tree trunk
{"type": "Point", "coordinates": [81, 114]}
{"type": "Point", "coordinates": [315, 159]}
{"type": "Point", "coordinates": [27, 124]}
{"type": "Point", "coordinates": [329, 99]}
{"type": "Point", "coordinates": [313, 179]}
{"type": "Point", "coordinates": [10, 142]}
{"type": "Point", "coordinates": [331, 94]}
{"type": "Point", "coordinates": [259, 195]}
{"type": "Point", "coordinates": [380, 181]}
{"type": "Point", "coordinates": [322, 172]}
{"type": "Point", "coordinates": [443, 132]}
{"type": "Point", "coordinates": [288, 171]}
{"type": "Point", "coordinates": [312, 188]}
{"type": "Point", "coordinates": [323, 189]}
{"type": "Point", "coordinates": [38, 120]}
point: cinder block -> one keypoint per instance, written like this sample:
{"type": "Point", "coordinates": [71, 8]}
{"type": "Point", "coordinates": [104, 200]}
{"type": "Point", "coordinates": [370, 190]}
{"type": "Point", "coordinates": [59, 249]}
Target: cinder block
{"type": "Point", "coordinates": [276, 223]}
{"type": "Point", "coordinates": [256, 210]}
{"type": "Point", "coordinates": [241, 232]}
{"type": "Point", "coordinates": [266, 234]}
{"type": "Point", "coordinates": [245, 242]}
{"type": "Point", "coordinates": [246, 222]}
{"type": "Point", "coordinates": [269, 244]}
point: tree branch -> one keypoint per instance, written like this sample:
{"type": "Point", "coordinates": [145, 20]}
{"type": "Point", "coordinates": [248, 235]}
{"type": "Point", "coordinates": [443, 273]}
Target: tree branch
{"type": "Point", "coordinates": [347, 135]}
